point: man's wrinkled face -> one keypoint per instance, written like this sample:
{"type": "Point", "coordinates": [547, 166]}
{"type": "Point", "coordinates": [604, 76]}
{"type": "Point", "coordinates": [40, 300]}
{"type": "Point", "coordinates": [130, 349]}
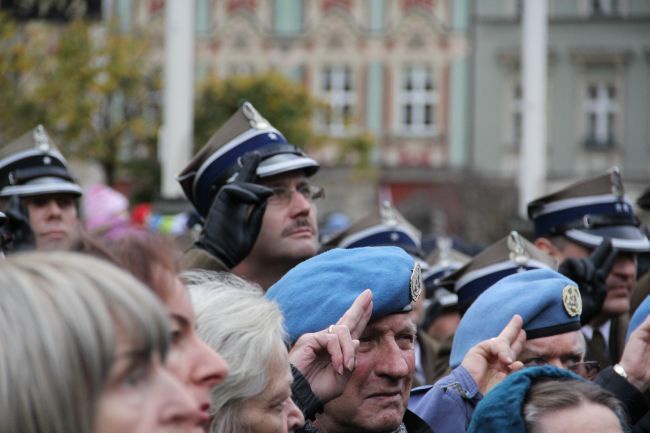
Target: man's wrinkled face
{"type": "Point", "coordinates": [376, 397]}
{"type": "Point", "coordinates": [289, 230]}
{"type": "Point", "coordinates": [620, 280]}
{"type": "Point", "coordinates": [562, 350]}
{"type": "Point", "coordinates": [53, 219]}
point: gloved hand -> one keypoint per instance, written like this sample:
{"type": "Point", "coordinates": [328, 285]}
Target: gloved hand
{"type": "Point", "coordinates": [235, 216]}
{"type": "Point", "coordinates": [590, 273]}
{"type": "Point", "coordinates": [20, 234]}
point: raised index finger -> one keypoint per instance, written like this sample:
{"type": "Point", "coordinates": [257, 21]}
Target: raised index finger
{"type": "Point", "coordinates": [511, 330]}
{"type": "Point", "coordinates": [357, 316]}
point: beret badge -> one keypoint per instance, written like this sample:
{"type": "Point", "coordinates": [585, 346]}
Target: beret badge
{"type": "Point", "coordinates": [416, 282]}
{"type": "Point", "coordinates": [572, 300]}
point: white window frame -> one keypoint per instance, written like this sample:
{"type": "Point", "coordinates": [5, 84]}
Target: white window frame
{"type": "Point", "coordinates": [603, 111]}
{"type": "Point", "coordinates": [418, 97]}
{"type": "Point", "coordinates": [337, 87]}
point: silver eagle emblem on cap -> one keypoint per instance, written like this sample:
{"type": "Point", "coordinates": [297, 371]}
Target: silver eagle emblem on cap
{"type": "Point", "coordinates": [617, 182]}
{"type": "Point", "coordinates": [387, 214]}
{"type": "Point", "coordinates": [41, 140]}
{"type": "Point", "coordinates": [254, 117]}
{"type": "Point", "coordinates": [571, 300]}
{"type": "Point", "coordinates": [518, 253]}
{"type": "Point", "coordinates": [415, 285]}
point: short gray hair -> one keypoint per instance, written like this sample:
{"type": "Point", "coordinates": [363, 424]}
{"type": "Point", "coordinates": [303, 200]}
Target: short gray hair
{"type": "Point", "coordinates": [547, 396]}
{"type": "Point", "coordinates": [59, 319]}
{"type": "Point", "coordinates": [235, 319]}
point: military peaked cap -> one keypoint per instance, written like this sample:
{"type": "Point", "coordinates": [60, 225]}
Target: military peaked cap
{"type": "Point", "coordinates": [510, 255]}
{"type": "Point", "coordinates": [588, 211]}
{"type": "Point", "coordinates": [218, 161]}
{"type": "Point", "coordinates": [31, 165]}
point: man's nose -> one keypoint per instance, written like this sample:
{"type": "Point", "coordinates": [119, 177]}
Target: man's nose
{"type": "Point", "coordinates": [295, 418]}
{"type": "Point", "coordinates": [392, 361]}
{"type": "Point", "coordinates": [299, 204]}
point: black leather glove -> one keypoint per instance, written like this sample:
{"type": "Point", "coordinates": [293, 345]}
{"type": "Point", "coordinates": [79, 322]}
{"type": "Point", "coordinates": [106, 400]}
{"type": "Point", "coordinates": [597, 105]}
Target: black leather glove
{"type": "Point", "coordinates": [19, 232]}
{"type": "Point", "coordinates": [590, 273]}
{"type": "Point", "coordinates": [235, 216]}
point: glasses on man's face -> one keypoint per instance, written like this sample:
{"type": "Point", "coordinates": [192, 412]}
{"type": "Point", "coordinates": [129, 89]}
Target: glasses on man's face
{"type": "Point", "coordinates": [282, 195]}
{"type": "Point", "coordinates": [586, 369]}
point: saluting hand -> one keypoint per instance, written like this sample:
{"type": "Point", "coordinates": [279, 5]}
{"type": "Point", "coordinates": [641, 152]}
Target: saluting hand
{"type": "Point", "coordinates": [327, 358]}
{"type": "Point", "coordinates": [490, 361]}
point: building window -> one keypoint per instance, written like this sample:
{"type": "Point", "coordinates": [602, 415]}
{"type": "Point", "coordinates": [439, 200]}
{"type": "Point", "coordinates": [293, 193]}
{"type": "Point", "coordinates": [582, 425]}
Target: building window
{"type": "Point", "coordinates": [601, 115]}
{"type": "Point", "coordinates": [337, 88]}
{"type": "Point", "coordinates": [418, 99]}
{"type": "Point", "coordinates": [603, 8]}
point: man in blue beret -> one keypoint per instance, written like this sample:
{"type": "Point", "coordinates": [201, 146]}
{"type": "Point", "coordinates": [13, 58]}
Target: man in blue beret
{"type": "Point", "coordinates": [549, 305]}
{"type": "Point", "coordinates": [38, 193]}
{"type": "Point", "coordinates": [570, 224]}
{"type": "Point", "coordinates": [316, 292]}
{"type": "Point", "coordinates": [252, 188]}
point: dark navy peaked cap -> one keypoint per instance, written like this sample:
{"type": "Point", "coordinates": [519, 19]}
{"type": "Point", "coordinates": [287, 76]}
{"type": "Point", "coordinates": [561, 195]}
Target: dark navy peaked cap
{"type": "Point", "coordinates": [31, 165]}
{"type": "Point", "coordinates": [510, 255]}
{"type": "Point", "coordinates": [588, 211]}
{"type": "Point", "coordinates": [218, 161]}
{"type": "Point", "coordinates": [384, 226]}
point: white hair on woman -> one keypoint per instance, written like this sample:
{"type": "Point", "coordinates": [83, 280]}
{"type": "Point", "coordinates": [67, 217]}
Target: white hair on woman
{"type": "Point", "coordinates": [60, 317]}
{"type": "Point", "coordinates": [235, 319]}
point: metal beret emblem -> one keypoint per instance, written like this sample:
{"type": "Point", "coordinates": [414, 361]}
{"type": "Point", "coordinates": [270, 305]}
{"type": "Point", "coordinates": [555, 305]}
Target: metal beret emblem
{"type": "Point", "coordinates": [416, 282]}
{"type": "Point", "coordinates": [572, 300]}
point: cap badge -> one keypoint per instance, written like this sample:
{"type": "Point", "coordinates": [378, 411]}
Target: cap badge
{"type": "Point", "coordinates": [254, 117]}
{"type": "Point", "coordinates": [387, 214]}
{"type": "Point", "coordinates": [572, 300]}
{"type": "Point", "coordinates": [41, 139]}
{"type": "Point", "coordinates": [416, 282]}
{"type": "Point", "coordinates": [518, 253]}
{"type": "Point", "coordinates": [617, 182]}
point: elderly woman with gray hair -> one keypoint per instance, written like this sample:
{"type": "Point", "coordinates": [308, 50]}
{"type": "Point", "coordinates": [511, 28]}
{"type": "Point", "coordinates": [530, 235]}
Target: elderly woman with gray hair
{"type": "Point", "coordinates": [247, 330]}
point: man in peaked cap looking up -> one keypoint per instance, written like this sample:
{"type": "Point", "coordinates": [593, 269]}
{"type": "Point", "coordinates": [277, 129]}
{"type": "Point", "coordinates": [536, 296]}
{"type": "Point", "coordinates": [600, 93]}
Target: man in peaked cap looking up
{"type": "Point", "coordinates": [252, 188]}
{"type": "Point", "coordinates": [38, 193]}
{"type": "Point", "coordinates": [572, 222]}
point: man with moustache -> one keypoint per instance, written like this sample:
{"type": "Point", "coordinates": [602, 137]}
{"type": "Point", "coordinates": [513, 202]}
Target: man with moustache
{"type": "Point", "coordinates": [252, 188]}
{"type": "Point", "coordinates": [572, 222]}
{"type": "Point", "coordinates": [38, 194]}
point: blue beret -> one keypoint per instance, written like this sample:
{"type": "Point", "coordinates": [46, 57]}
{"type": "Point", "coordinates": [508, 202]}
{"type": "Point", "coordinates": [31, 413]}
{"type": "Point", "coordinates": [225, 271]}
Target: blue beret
{"type": "Point", "coordinates": [589, 211]}
{"type": "Point", "coordinates": [642, 312]}
{"type": "Point", "coordinates": [317, 292]}
{"type": "Point", "coordinates": [548, 302]}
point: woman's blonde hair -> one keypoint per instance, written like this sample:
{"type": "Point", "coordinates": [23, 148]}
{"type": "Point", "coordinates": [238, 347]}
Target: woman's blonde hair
{"type": "Point", "coordinates": [59, 319]}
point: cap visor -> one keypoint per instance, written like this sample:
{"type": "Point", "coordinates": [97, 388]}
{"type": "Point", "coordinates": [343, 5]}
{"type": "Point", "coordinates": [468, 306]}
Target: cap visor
{"type": "Point", "coordinates": [624, 238]}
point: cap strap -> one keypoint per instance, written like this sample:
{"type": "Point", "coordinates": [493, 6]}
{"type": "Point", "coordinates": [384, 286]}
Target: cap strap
{"type": "Point", "coordinates": [24, 175]}
{"type": "Point", "coordinates": [596, 221]}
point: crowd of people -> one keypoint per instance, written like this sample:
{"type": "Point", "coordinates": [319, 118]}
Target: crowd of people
{"type": "Point", "coordinates": [263, 327]}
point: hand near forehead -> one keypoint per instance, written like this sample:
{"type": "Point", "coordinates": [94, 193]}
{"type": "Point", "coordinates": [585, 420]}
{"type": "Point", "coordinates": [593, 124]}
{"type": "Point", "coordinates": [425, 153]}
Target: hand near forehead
{"type": "Point", "coordinates": [490, 361]}
{"type": "Point", "coordinates": [235, 216]}
{"type": "Point", "coordinates": [327, 358]}
{"type": "Point", "coordinates": [636, 357]}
